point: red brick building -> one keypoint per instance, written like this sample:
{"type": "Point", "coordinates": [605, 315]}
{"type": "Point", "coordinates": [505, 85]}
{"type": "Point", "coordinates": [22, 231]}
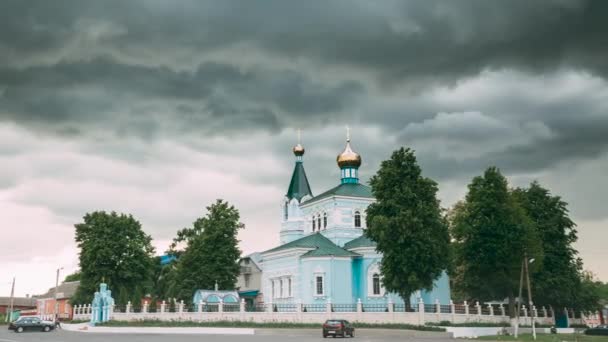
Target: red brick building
{"type": "Point", "coordinates": [46, 302]}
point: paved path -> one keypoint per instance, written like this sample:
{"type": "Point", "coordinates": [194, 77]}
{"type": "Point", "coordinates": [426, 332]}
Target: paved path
{"type": "Point", "coordinates": [262, 335]}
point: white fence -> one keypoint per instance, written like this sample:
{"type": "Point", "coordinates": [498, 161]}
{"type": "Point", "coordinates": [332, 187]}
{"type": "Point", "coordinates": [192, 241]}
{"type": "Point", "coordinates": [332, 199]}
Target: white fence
{"type": "Point", "coordinates": [419, 314]}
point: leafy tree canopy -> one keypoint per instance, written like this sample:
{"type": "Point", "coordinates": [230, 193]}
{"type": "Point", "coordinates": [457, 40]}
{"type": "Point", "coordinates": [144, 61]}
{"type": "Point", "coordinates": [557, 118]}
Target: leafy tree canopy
{"type": "Point", "coordinates": [407, 225]}
{"type": "Point", "coordinates": [557, 279]}
{"type": "Point", "coordinates": [73, 277]}
{"type": "Point", "coordinates": [212, 252]}
{"type": "Point", "coordinates": [115, 249]}
{"type": "Point", "coordinates": [492, 233]}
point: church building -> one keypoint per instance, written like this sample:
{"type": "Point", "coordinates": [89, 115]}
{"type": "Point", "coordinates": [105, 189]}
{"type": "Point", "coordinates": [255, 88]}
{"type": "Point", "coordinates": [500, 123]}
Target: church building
{"type": "Point", "coordinates": [324, 255]}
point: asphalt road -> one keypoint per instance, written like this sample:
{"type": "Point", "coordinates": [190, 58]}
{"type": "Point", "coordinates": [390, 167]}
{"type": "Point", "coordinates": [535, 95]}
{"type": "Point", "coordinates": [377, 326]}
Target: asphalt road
{"type": "Point", "coordinates": [262, 335]}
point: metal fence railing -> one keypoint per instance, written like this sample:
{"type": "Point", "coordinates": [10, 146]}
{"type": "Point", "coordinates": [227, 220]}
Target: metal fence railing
{"type": "Point", "coordinates": [314, 308]}
{"type": "Point", "coordinates": [374, 308]}
{"type": "Point", "coordinates": [255, 308]}
{"type": "Point", "coordinates": [344, 307]}
{"type": "Point", "coordinates": [232, 307]}
{"type": "Point", "coordinates": [445, 309]}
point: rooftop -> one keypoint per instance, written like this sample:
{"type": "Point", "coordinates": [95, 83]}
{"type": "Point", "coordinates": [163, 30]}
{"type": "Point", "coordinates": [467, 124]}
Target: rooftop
{"type": "Point", "coordinates": [346, 190]}
{"type": "Point", "coordinates": [319, 245]}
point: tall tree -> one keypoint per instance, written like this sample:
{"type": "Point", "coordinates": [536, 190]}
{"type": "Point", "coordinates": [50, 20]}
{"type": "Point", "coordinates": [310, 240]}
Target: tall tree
{"type": "Point", "coordinates": [212, 253]}
{"type": "Point", "coordinates": [115, 249]}
{"type": "Point", "coordinates": [557, 281]}
{"type": "Point", "coordinates": [492, 233]}
{"type": "Point", "coordinates": [407, 225]}
{"type": "Point", "coordinates": [73, 277]}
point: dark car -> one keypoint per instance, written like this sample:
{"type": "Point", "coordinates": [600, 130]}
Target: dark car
{"type": "Point", "coordinates": [338, 327]}
{"type": "Point", "coordinates": [31, 324]}
{"type": "Point", "coordinates": [599, 330]}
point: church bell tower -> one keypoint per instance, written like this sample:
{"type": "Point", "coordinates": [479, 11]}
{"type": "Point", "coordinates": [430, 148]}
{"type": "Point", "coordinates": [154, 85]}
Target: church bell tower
{"type": "Point", "coordinates": [293, 221]}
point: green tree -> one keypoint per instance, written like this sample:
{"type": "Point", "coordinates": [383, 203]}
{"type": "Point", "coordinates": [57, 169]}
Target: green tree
{"type": "Point", "coordinates": [73, 277]}
{"type": "Point", "coordinates": [492, 233]}
{"type": "Point", "coordinates": [589, 296]}
{"type": "Point", "coordinates": [113, 248]}
{"type": "Point", "coordinates": [407, 225]}
{"type": "Point", "coordinates": [212, 253]}
{"type": "Point", "coordinates": [558, 279]}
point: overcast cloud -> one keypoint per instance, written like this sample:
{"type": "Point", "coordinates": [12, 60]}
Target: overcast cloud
{"type": "Point", "coordinates": [157, 108]}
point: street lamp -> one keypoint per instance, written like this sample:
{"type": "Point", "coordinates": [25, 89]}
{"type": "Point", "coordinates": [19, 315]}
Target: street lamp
{"type": "Point", "coordinates": [524, 268]}
{"type": "Point", "coordinates": [56, 286]}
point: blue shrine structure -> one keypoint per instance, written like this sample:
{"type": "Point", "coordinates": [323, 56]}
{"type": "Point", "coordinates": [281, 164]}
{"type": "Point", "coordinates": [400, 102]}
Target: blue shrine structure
{"type": "Point", "coordinates": [102, 305]}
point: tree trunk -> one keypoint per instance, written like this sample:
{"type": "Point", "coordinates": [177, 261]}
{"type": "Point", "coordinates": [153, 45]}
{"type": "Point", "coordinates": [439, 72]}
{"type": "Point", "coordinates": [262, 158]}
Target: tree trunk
{"type": "Point", "coordinates": [406, 300]}
{"type": "Point", "coordinates": [511, 305]}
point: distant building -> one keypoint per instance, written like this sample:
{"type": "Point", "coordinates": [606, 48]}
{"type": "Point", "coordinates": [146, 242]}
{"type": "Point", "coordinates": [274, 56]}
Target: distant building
{"type": "Point", "coordinates": [19, 303]}
{"type": "Point", "coordinates": [249, 282]}
{"type": "Point", "coordinates": [45, 303]}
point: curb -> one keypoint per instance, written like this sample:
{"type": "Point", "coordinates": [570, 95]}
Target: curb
{"type": "Point", "coordinates": [85, 328]}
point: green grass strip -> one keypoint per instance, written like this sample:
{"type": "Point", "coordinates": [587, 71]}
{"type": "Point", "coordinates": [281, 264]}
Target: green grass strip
{"type": "Point", "coordinates": [243, 324]}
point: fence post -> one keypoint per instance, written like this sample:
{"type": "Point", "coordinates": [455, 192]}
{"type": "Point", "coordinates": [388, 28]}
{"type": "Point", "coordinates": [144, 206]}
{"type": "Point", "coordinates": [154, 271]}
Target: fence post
{"type": "Point", "coordinates": [181, 307]}
{"type": "Point", "coordinates": [391, 307]}
{"type": "Point", "coordinates": [163, 307]}
{"type": "Point", "coordinates": [453, 311]}
{"type": "Point", "coordinates": [502, 309]}
{"type": "Point", "coordinates": [466, 308]}
{"type": "Point", "coordinates": [242, 306]}
{"type": "Point", "coordinates": [200, 307]}
{"type": "Point", "coordinates": [128, 308]}
{"type": "Point", "coordinates": [420, 311]}
{"type": "Point", "coordinates": [491, 309]}
{"type": "Point", "coordinates": [523, 308]}
{"type": "Point", "coordinates": [144, 307]}
{"type": "Point", "coordinates": [544, 311]}
{"type": "Point", "coordinates": [437, 306]}
{"type": "Point", "coordinates": [220, 306]}
{"type": "Point", "coordinates": [270, 307]}
{"type": "Point", "coordinates": [359, 305]}
{"type": "Point", "coordinates": [534, 311]}
{"type": "Point", "coordinates": [328, 308]}
{"type": "Point", "coordinates": [478, 309]}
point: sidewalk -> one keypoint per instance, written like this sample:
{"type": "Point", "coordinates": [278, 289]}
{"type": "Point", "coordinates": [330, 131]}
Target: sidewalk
{"type": "Point", "coordinates": [85, 328]}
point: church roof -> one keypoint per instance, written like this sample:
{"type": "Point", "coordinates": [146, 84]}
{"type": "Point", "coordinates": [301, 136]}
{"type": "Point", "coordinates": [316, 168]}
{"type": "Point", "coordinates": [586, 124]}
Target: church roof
{"type": "Point", "coordinates": [345, 189]}
{"type": "Point", "coordinates": [320, 245]}
{"type": "Point", "coordinates": [361, 241]}
{"type": "Point", "coordinates": [298, 187]}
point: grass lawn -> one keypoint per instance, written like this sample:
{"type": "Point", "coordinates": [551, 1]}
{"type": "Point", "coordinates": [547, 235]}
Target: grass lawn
{"type": "Point", "coordinates": [548, 338]}
{"type": "Point", "coordinates": [241, 324]}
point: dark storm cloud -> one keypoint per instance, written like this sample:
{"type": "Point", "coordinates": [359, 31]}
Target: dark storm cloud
{"type": "Point", "coordinates": [83, 92]}
{"type": "Point", "coordinates": [435, 41]}
{"type": "Point", "coordinates": [140, 67]}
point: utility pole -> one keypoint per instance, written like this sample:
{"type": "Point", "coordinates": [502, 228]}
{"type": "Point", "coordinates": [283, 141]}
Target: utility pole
{"type": "Point", "coordinates": [10, 311]}
{"type": "Point", "coordinates": [56, 286]}
{"type": "Point", "coordinates": [530, 303]}
{"type": "Point", "coordinates": [521, 284]}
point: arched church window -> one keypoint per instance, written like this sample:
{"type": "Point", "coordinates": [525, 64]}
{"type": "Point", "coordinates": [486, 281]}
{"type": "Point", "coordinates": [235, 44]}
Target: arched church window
{"type": "Point", "coordinates": [376, 283]}
{"type": "Point", "coordinates": [319, 221]}
{"type": "Point", "coordinates": [324, 220]}
{"type": "Point", "coordinates": [313, 223]}
{"type": "Point", "coordinates": [357, 219]}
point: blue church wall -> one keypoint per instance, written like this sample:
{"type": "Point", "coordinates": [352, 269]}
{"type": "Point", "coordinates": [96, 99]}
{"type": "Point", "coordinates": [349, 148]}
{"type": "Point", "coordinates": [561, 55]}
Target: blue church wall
{"type": "Point", "coordinates": [440, 291]}
{"type": "Point", "coordinates": [336, 274]}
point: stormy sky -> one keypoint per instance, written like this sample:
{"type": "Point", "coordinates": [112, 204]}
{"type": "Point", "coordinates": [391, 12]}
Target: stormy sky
{"type": "Point", "coordinates": [156, 108]}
